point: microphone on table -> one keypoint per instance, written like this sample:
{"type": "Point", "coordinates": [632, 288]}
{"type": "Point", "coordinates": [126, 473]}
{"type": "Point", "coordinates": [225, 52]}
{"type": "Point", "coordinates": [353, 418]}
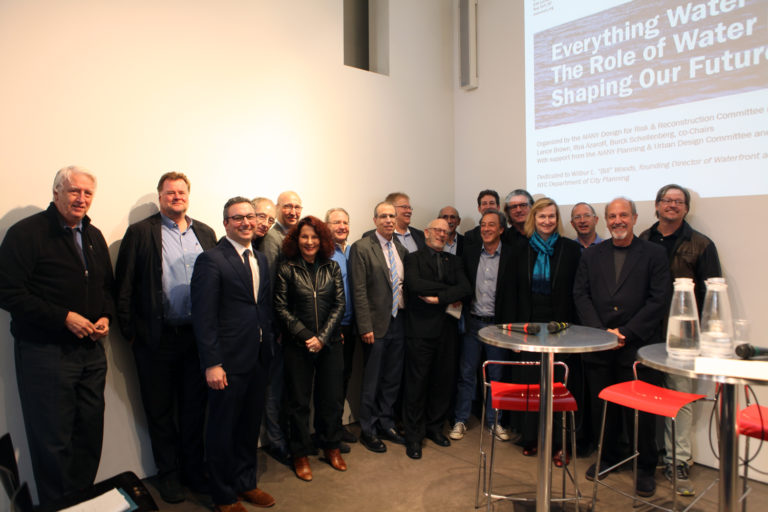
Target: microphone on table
{"type": "Point", "coordinates": [554, 327]}
{"type": "Point", "coordinates": [524, 328]}
{"type": "Point", "coordinates": [749, 351]}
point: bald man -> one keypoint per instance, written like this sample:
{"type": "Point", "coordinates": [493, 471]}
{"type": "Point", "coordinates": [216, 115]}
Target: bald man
{"type": "Point", "coordinates": [434, 280]}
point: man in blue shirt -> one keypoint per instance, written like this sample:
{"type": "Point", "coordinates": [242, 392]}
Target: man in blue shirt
{"type": "Point", "coordinates": [154, 270]}
{"type": "Point", "coordinates": [584, 221]}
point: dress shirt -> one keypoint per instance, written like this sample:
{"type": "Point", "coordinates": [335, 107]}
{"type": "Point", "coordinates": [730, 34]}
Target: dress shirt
{"type": "Point", "coordinates": [77, 235]}
{"type": "Point", "coordinates": [596, 241]}
{"type": "Point", "coordinates": [254, 265]}
{"type": "Point", "coordinates": [407, 240]}
{"type": "Point", "coordinates": [485, 285]}
{"type": "Point", "coordinates": [452, 247]}
{"type": "Point", "coordinates": [180, 250]}
{"type": "Point", "coordinates": [398, 262]}
{"type": "Point", "coordinates": [341, 256]}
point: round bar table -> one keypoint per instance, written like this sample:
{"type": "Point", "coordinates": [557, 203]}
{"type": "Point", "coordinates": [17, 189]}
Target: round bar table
{"type": "Point", "coordinates": [655, 356]}
{"type": "Point", "coordinates": [575, 339]}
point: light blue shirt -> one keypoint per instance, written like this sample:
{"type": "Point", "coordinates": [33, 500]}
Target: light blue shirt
{"type": "Point", "coordinates": [398, 265]}
{"type": "Point", "coordinates": [341, 256]}
{"type": "Point", "coordinates": [180, 250]}
{"type": "Point", "coordinates": [485, 285]}
{"type": "Point", "coordinates": [596, 241]}
{"type": "Point", "coordinates": [407, 240]}
{"type": "Point", "coordinates": [451, 247]}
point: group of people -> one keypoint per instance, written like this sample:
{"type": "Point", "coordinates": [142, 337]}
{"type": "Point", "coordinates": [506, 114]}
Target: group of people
{"type": "Point", "coordinates": [256, 323]}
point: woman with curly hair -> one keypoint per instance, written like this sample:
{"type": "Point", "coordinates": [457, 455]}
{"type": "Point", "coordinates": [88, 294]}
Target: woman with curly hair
{"type": "Point", "coordinates": [309, 303]}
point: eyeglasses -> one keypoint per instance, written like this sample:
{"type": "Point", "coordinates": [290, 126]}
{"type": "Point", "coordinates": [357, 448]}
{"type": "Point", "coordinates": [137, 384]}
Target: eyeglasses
{"type": "Point", "coordinates": [337, 222]}
{"type": "Point", "coordinates": [585, 216]}
{"type": "Point", "coordinates": [238, 219]}
{"type": "Point", "coordinates": [678, 202]}
{"type": "Point", "coordinates": [289, 207]}
{"type": "Point", "coordinates": [405, 207]}
{"type": "Point", "coordinates": [516, 206]}
{"type": "Point", "coordinates": [439, 230]}
{"type": "Point", "coordinates": [264, 217]}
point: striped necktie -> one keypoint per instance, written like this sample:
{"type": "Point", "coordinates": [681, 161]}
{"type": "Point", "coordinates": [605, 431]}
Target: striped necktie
{"type": "Point", "coordinates": [393, 278]}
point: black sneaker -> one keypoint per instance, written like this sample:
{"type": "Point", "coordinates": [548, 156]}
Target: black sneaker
{"type": "Point", "coordinates": [347, 436]}
{"type": "Point", "coordinates": [684, 484]}
{"type": "Point", "coordinates": [590, 474]}
{"type": "Point", "coordinates": [646, 484]}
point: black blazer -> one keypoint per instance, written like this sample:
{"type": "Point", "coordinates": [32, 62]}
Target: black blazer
{"type": "Point", "coordinates": [562, 269]}
{"type": "Point", "coordinates": [139, 274]}
{"type": "Point", "coordinates": [636, 305]}
{"type": "Point", "coordinates": [506, 283]}
{"type": "Point", "coordinates": [421, 279]}
{"type": "Point", "coordinates": [231, 328]}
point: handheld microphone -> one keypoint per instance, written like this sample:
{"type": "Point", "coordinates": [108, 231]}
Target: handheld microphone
{"type": "Point", "coordinates": [524, 328]}
{"type": "Point", "coordinates": [554, 327]}
{"type": "Point", "coordinates": [749, 351]}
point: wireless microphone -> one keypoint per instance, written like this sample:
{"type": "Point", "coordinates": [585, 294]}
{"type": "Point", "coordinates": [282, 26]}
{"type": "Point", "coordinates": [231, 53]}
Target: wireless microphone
{"type": "Point", "coordinates": [554, 327]}
{"type": "Point", "coordinates": [524, 328]}
{"type": "Point", "coordinates": [749, 351]}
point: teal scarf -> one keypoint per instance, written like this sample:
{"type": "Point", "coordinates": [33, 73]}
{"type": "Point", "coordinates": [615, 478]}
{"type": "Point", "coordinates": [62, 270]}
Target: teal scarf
{"type": "Point", "coordinates": [540, 283]}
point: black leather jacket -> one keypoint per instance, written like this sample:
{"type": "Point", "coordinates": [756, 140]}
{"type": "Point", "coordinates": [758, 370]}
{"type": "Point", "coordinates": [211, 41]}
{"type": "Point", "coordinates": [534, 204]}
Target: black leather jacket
{"type": "Point", "coordinates": [309, 306]}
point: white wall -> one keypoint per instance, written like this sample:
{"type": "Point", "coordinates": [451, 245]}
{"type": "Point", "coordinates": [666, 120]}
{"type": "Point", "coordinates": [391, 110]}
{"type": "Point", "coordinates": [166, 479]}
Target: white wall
{"type": "Point", "coordinates": [248, 97]}
{"type": "Point", "coordinates": [490, 153]}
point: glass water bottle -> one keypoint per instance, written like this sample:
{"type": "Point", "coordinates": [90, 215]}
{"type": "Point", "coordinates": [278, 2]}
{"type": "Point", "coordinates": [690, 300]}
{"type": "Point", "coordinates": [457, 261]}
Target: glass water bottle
{"type": "Point", "coordinates": [683, 324]}
{"type": "Point", "coordinates": [716, 323]}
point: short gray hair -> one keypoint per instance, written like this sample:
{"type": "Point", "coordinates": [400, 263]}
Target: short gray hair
{"type": "Point", "coordinates": [332, 210]}
{"type": "Point", "coordinates": [584, 204]}
{"type": "Point", "coordinates": [632, 206]}
{"type": "Point", "coordinates": [65, 175]}
{"type": "Point", "coordinates": [518, 192]}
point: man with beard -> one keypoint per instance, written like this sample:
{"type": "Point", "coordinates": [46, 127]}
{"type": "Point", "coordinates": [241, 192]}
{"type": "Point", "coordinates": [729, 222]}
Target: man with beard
{"type": "Point", "coordinates": [454, 242]}
{"type": "Point", "coordinates": [622, 287]}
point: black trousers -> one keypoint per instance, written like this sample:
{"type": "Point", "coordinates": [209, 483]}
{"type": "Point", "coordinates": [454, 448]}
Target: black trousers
{"type": "Point", "coordinates": [323, 371]}
{"type": "Point", "coordinates": [174, 395]}
{"type": "Point", "coordinates": [619, 420]}
{"type": "Point", "coordinates": [61, 387]}
{"type": "Point", "coordinates": [430, 379]}
{"type": "Point", "coordinates": [231, 440]}
{"type": "Point", "coordinates": [351, 341]}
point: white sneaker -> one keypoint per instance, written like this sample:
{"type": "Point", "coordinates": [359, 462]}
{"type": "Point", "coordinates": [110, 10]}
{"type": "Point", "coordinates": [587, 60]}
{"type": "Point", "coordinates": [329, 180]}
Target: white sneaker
{"type": "Point", "coordinates": [457, 432]}
{"type": "Point", "coordinates": [500, 433]}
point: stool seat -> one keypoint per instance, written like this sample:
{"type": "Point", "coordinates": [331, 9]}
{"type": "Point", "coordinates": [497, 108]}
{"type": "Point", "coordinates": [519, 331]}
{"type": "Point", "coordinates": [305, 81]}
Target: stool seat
{"type": "Point", "coordinates": [509, 396]}
{"type": "Point", "coordinates": [753, 422]}
{"type": "Point", "coordinates": [649, 398]}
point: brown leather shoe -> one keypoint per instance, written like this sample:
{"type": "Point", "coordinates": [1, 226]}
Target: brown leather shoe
{"type": "Point", "coordinates": [258, 497]}
{"type": "Point", "coordinates": [335, 460]}
{"type": "Point", "coordinates": [301, 466]}
{"type": "Point", "coordinates": [234, 507]}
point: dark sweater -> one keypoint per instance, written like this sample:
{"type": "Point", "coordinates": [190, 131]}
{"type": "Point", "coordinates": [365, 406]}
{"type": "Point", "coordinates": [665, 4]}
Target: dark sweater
{"type": "Point", "coordinates": [42, 277]}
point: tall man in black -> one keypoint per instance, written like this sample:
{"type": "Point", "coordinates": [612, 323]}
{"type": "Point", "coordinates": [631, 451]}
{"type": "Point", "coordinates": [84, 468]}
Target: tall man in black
{"type": "Point", "coordinates": [435, 280]}
{"type": "Point", "coordinates": [56, 282]}
{"type": "Point", "coordinates": [232, 319]}
{"type": "Point", "coordinates": [621, 286]}
{"type": "Point", "coordinates": [154, 270]}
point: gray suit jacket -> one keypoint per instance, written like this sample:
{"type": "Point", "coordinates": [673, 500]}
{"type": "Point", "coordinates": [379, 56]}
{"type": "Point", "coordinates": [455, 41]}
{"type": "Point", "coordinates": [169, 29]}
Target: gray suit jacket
{"type": "Point", "coordinates": [370, 286]}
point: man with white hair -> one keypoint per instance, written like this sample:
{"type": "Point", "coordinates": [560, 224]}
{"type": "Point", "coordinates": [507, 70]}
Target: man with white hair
{"type": "Point", "coordinates": [56, 282]}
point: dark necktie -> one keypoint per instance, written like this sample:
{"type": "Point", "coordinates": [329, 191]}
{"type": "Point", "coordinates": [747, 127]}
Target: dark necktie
{"type": "Point", "coordinates": [440, 272]}
{"type": "Point", "coordinates": [247, 263]}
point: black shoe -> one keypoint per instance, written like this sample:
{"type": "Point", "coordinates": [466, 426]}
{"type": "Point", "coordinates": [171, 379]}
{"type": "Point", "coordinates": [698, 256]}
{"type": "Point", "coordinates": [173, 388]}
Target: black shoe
{"type": "Point", "coordinates": [280, 453]}
{"type": "Point", "coordinates": [344, 447]}
{"type": "Point", "coordinates": [372, 442]}
{"type": "Point", "coordinates": [604, 464]}
{"type": "Point", "coordinates": [347, 436]}
{"type": "Point", "coordinates": [646, 483]}
{"type": "Point", "coordinates": [170, 488]}
{"type": "Point", "coordinates": [413, 450]}
{"type": "Point", "coordinates": [391, 434]}
{"type": "Point", "coordinates": [438, 438]}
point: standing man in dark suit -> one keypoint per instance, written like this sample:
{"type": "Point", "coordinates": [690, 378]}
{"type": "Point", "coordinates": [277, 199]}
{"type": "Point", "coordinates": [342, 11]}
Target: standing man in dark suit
{"type": "Point", "coordinates": [154, 271]}
{"type": "Point", "coordinates": [376, 272]}
{"type": "Point", "coordinates": [454, 242]}
{"type": "Point", "coordinates": [232, 318]}
{"type": "Point", "coordinates": [411, 238]}
{"type": "Point", "coordinates": [56, 282]}
{"type": "Point", "coordinates": [490, 268]}
{"type": "Point", "coordinates": [621, 285]}
{"type": "Point", "coordinates": [435, 280]}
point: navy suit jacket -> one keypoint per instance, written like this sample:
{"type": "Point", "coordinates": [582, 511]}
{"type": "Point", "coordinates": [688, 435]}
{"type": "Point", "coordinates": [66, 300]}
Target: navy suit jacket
{"type": "Point", "coordinates": [636, 304]}
{"type": "Point", "coordinates": [232, 329]}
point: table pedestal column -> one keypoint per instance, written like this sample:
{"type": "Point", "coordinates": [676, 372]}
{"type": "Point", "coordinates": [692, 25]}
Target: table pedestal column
{"type": "Point", "coordinates": [544, 489]}
{"type": "Point", "coordinates": [729, 491]}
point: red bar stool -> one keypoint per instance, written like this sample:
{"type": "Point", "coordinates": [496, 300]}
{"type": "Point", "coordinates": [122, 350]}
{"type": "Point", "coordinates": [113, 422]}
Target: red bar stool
{"type": "Point", "coordinates": [752, 421]}
{"type": "Point", "coordinates": [507, 396]}
{"type": "Point", "coordinates": [649, 398]}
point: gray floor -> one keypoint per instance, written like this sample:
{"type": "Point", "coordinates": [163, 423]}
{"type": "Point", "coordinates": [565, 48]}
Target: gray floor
{"type": "Point", "coordinates": [443, 480]}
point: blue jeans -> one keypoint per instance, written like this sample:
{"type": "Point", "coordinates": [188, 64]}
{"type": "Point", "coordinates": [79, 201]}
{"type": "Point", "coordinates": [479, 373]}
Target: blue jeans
{"type": "Point", "coordinates": [470, 361]}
